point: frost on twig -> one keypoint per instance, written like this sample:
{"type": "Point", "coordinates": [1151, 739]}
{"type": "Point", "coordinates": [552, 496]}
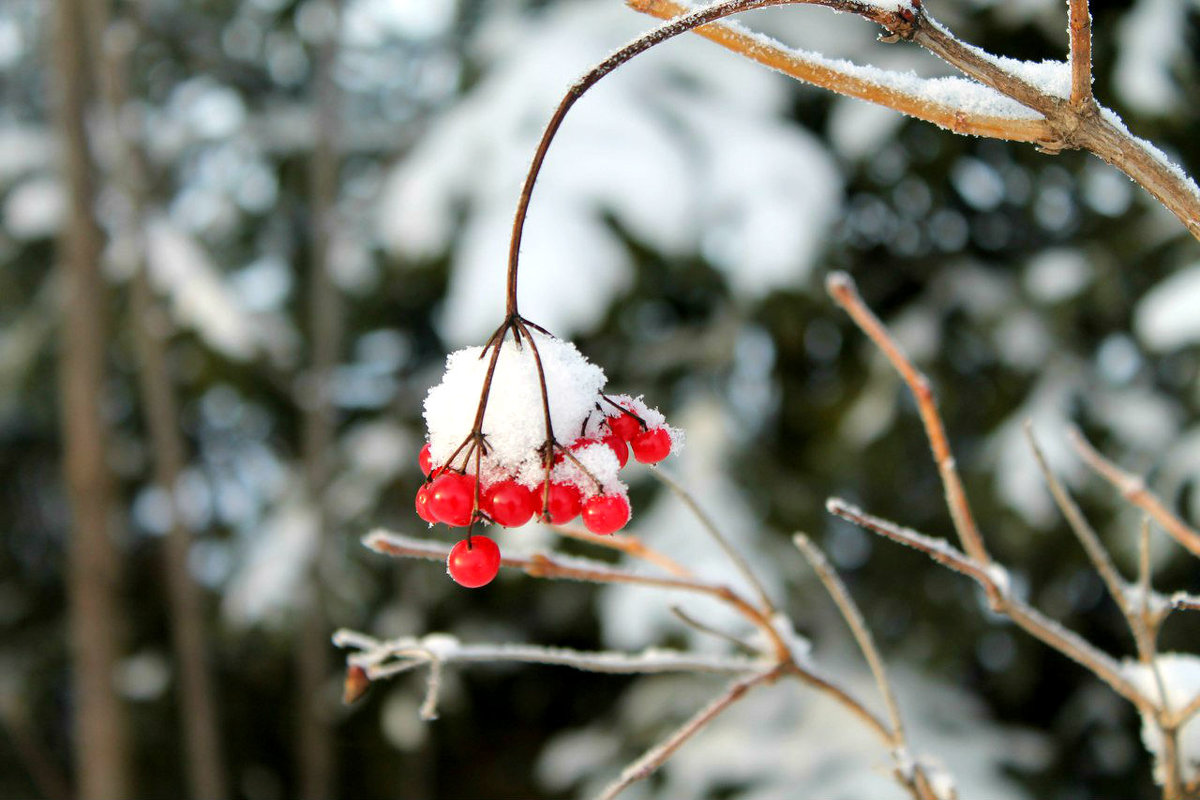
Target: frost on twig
{"type": "Point", "coordinates": [1050, 104]}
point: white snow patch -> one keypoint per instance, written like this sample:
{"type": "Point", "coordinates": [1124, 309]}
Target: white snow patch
{"type": "Point", "coordinates": [35, 209]}
{"type": "Point", "coordinates": [1058, 274]}
{"type": "Point", "coordinates": [1166, 317]}
{"type": "Point", "coordinates": [1180, 678]}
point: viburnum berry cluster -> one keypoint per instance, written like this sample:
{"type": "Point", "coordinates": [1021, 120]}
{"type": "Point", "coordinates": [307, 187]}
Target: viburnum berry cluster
{"type": "Point", "coordinates": [521, 428]}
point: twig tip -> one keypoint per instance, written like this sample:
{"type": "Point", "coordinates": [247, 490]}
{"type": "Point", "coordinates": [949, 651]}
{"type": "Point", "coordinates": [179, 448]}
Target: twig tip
{"type": "Point", "coordinates": [839, 283]}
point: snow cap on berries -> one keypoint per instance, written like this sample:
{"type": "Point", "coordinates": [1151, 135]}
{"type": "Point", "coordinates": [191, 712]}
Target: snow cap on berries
{"type": "Point", "coordinates": [513, 423]}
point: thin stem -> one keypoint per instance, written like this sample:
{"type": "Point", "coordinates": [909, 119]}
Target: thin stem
{"type": "Point", "coordinates": [1133, 489]}
{"type": "Point", "coordinates": [1083, 531]}
{"type": "Point", "coordinates": [628, 544]}
{"type": "Point", "coordinates": [843, 291]}
{"type": "Point", "coordinates": [862, 634]}
{"type": "Point", "coordinates": [656, 756]}
{"type": "Point", "coordinates": [713, 531]}
{"type": "Point", "coordinates": [1080, 30]}
{"type": "Point", "coordinates": [686, 22]}
{"type": "Point", "coordinates": [692, 622]}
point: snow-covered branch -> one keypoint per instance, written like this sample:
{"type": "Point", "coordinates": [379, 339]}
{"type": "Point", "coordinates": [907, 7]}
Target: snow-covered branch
{"type": "Point", "coordinates": [1053, 107]}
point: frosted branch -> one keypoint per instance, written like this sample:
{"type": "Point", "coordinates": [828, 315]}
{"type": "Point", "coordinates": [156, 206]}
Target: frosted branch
{"type": "Point", "coordinates": [1056, 115]}
{"type": "Point", "coordinates": [1133, 489]}
{"type": "Point", "coordinates": [715, 534]}
{"type": "Point", "coordinates": [862, 634]}
{"type": "Point", "coordinates": [843, 291]}
{"type": "Point", "coordinates": [388, 657]}
{"type": "Point", "coordinates": [559, 567]}
{"type": "Point", "coordinates": [656, 756]}
{"type": "Point", "coordinates": [958, 105]}
{"type": "Point", "coordinates": [1101, 560]}
{"type": "Point", "coordinates": [993, 580]}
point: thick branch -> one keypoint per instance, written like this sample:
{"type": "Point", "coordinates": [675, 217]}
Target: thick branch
{"type": "Point", "coordinates": [862, 83]}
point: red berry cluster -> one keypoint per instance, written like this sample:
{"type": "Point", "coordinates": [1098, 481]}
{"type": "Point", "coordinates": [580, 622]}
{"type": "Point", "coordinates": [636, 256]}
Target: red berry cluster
{"type": "Point", "coordinates": [455, 497]}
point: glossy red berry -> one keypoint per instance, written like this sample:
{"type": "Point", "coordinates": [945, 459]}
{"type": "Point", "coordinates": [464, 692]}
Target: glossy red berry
{"type": "Point", "coordinates": [452, 498]}
{"type": "Point", "coordinates": [619, 448]}
{"type": "Point", "coordinates": [473, 563]}
{"type": "Point", "coordinates": [563, 505]}
{"type": "Point", "coordinates": [605, 513]}
{"type": "Point", "coordinates": [509, 503]}
{"type": "Point", "coordinates": [425, 459]}
{"type": "Point", "coordinates": [423, 509]}
{"type": "Point", "coordinates": [625, 425]}
{"type": "Point", "coordinates": [652, 446]}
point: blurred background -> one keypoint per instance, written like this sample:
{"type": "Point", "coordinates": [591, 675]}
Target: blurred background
{"type": "Point", "coordinates": [238, 238]}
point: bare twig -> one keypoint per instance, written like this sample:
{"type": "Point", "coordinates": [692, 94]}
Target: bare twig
{"type": "Point", "coordinates": [714, 532]}
{"type": "Point", "coordinates": [1080, 29]}
{"type": "Point", "coordinates": [692, 622]}
{"type": "Point", "coordinates": [380, 657]}
{"type": "Point", "coordinates": [993, 580]}
{"type": "Point", "coordinates": [626, 543]}
{"type": "Point", "coordinates": [862, 634]}
{"type": "Point", "coordinates": [1083, 531]}
{"type": "Point", "coordinates": [1133, 489]}
{"type": "Point", "coordinates": [843, 291]}
{"type": "Point", "coordinates": [656, 756]}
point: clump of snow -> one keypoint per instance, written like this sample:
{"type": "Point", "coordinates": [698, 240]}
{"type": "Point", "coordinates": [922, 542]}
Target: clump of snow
{"type": "Point", "coordinates": [514, 423]}
{"type": "Point", "coordinates": [1177, 675]}
{"type": "Point", "coordinates": [1150, 40]}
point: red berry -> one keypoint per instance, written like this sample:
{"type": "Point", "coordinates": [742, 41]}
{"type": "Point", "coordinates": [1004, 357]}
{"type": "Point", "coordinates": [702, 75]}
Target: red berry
{"type": "Point", "coordinates": [619, 448]}
{"type": "Point", "coordinates": [423, 509]}
{"type": "Point", "coordinates": [425, 459]}
{"type": "Point", "coordinates": [563, 505]}
{"type": "Point", "coordinates": [605, 513]}
{"type": "Point", "coordinates": [452, 498]}
{"type": "Point", "coordinates": [652, 446]}
{"type": "Point", "coordinates": [625, 425]}
{"type": "Point", "coordinates": [509, 503]}
{"type": "Point", "coordinates": [474, 562]}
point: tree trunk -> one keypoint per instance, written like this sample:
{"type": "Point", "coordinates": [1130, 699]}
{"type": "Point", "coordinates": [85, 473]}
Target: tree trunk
{"type": "Point", "coordinates": [315, 735]}
{"type": "Point", "coordinates": [101, 747]}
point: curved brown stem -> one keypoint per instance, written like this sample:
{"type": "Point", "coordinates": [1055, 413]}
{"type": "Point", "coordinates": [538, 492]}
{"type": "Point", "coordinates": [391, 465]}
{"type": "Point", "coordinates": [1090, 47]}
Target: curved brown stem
{"type": "Point", "coordinates": [890, 19]}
